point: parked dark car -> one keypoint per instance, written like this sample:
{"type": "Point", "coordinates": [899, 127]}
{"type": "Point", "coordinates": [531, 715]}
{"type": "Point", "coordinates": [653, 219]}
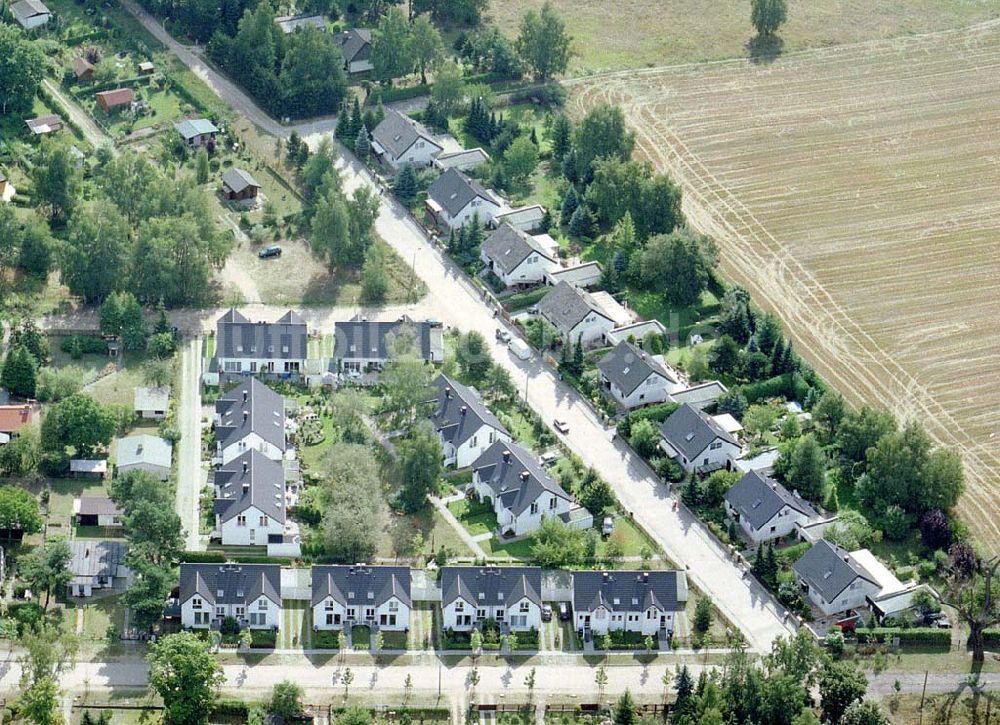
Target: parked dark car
{"type": "Point", "coordinates": [272, 250]}
{"type": "Point", "coordinates": [564, 612]}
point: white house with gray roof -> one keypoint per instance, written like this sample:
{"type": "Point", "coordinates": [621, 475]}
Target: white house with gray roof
{"type": "Point", "coordinates": [399, 140]}
{"type": "Point", "coordinates": [633, 377]}
{"type": "Point", "coordinates": [356, 46]}
{"type": "Point", "coordinates": [455, 199]}
{"type": "Point", "coordinates": [465, 426]}
{"type": "Point", "coordinates": [30, 14]}
{"type": "Point", "coordinates": [521, 492]}
{"type": "Point", "coordinates": [464, 160]}
{"type": "Point", "coordinates": [95, 565]}
{"type": "Point", "coordinates": [511, 596]}
{"type": "Point", "coordinates": [765, 509]}
{"type": "Point", "coordinates": [249, 593]}
{"type": "Point", "coordinates": [516, 258]}
{"type": "Point", "coordinates": [144, 452]}
{"type": "Point", "coordinates": [646, 602]}
{"type": "Point", "coordinates": [151, 402]}
{"type": "Point", "coordinates": [197, 131]}
{"type": "Point", "coordinates": [378, 596]}
{"type": "Point", "coordinates": [697, 441]}
{"type": "Point", "coordinates": [833, 580]}
{"type": "Point", "coordinates": [250, 506]}
{"type": "Point", "coordinates": [575, 315]}
{"type": "Point", "coordinates": [251, 416]}
{"type": "Point", "coordinates": [363, 345]}
{"type": "Point", "coordinates": [242, 348]}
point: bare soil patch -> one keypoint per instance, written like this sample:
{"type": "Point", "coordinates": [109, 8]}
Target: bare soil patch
{"type": "Point", "coordinates": [856, 192]}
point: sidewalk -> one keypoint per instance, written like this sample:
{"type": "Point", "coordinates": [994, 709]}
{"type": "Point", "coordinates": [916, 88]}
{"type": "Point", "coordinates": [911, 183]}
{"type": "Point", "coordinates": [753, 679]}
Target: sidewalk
{"type": "Point", "coordinates": [464, 535]}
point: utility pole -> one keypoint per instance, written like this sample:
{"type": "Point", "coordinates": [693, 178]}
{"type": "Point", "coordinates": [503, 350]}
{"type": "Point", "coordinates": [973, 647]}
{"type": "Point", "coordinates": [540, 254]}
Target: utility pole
{"type": "Point", "coordinates": [923, 693]}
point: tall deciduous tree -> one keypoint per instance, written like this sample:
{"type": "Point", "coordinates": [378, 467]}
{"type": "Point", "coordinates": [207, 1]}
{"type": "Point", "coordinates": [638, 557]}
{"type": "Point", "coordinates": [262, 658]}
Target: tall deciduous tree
{"type": "Point", "coordinates": [601, 133]}
{"type": "Point", "coordinates": [768, 15]}
{"type": "Point", "coordinates": [543, 43]}
{"type": "Point", "coordinates": [840, 684]}
{"type": "Point", "coordinates": [419, 466]}
{"type": "Point", "coordinates": [22, 66]}
{"type": "Point", "coordinates": [185, 675]}
{"type": "Point", "coordinates": [46, 568]}
{"type": "Point", "coordinates": [56, 183]}
{"type": "Point", "coordinates": [47, 650]}
{"type": "Point", "coordinates": [426, 47]}
{"type": "Point", "coordinates": [312, 75]}
{"type": "Point", "coordinates": [93, 257]}
{"type": "Point", "coordinates": [352, 494]}
{"type": "Point", "coordinates": [20, 372]}
{"type": "Point", "coordinates": [679, 265]}
{"type": "Point", "coordinates": [392, 54]}
{"type": "Point", "coordinates": [976, 598]}
{"type": "Point", "coordinates": [19, 511]}
{"type": "Point", "coordinates": [79, 422]}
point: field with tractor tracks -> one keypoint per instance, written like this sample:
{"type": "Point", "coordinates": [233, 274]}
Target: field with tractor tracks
{"type": "Point", "coordinates": [855, 191]}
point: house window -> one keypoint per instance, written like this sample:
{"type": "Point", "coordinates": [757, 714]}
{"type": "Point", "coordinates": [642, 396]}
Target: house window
{"type": "Point", "coordinates": [715, 446]}
{"type": "Point", "coordinates": [552, 502]}
{"type": "Point", "coordinates": [196, 603]}
{"type": "Point", "coordinates": [524, 606]}
{"type": "Point", "coordinates": [263, 521]}
{"type": "Point", "coordinates": [201, 617]}
{"type": "Point", "coordinates": [534, 508]}
{"type": "Point", "coordinates": [393, 605]}
{"type": "Point", "coordinates": [459, 606]}
{"type": "Point", "coordinates": [232, 366]}
{"type": "Point", "coordinates": [241, 520]}
{"type": "Point", "coordinates": [262, 605]}
{"type": "Point", "coordinates": [220, 611]}
{"type": "Point", "coordinates": [330, 604]}
{"type": "Point", "coordinates": [240, 611]}
{"type": "Point", "coordinates": [472, 442]}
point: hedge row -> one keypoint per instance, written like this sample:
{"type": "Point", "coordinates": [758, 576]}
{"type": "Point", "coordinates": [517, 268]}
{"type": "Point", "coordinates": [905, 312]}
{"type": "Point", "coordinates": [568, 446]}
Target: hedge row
{"type": "Point", "coordinates": [388, 95]}
{"type": "Point", "coordinates": [655, 413]}
{"type": "Point", "coordinates": [919, 635]}
{"type": "Point", "coordinates": [992, 637]}
{"type": "Point", "coordinates": [110, 85]}
{"type": "Point", "coordinates": [790, 385]}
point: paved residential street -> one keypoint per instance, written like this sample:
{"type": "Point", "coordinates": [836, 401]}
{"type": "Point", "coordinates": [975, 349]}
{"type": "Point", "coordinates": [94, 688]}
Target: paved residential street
{"type": "Point", "coordinates": [190, 473]}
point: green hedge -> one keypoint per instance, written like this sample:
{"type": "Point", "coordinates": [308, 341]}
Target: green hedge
{"type": "Point", "coordinates": [656, 413]}
{"type": "Point", "coordinates": [916, 636]}
{"type": "Point", "coordinates": [524, 299]}
{"type": "Point", "coordinates": [790, 385]}
{"type": "Point", "coordinates": [388, 95]}
{"type": "Point", "coordinates": [992, 637]}
{"type": "Point", "coordinates": [110, 85]}
{"type": "Point", "coordinates": [203, 557]}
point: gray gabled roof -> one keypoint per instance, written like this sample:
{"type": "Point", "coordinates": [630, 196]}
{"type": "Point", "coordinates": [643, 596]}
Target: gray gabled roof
{"type": "Point", "coordinates": [627, 367]}
{"type": "Point", "coordinates": [230, 583]}
{"type": "Point", "coordinates": [829, 569]}
{"type": "Point", "coordinates": [355, 44]}
{"type": "Point", "coordinates": [758, 499]}
{"type": "Point", "coordinates": [453, 191]}
{"type": "Point", "coordinates": [490, 586]}
{"type": "Point", "coordinates": [566, 306]}
{"type": "Point", "coordinates": [251, 407]}
{"type": "Point", "coordinates": [26, 9]}
{"type": "Point", "coordinates": [689, 431]}
{"type": "Point", "coordinates": [291, 23]}
{"type": "Point", "coordinates": [459, 413]}
{"type": "Point", "coordinates": [700, 395]}
{"type": "Point", "coordinates": [507, 247]}
{"type": "Point", "coordinates": [96, 506]}
{"type": "Point", "coordinates": [90, 559]}
{"type": "Point", "coordinates": [251, 479]}
{"type": "Point", "coordinates": [515, 477]}
{"type": "Point", "coordinates": [238, 337]}
{"type": "Point", "coordinates": [360, 339]}
{"type": "Point", "coordinates": [396, 133]}
{"type": "Point", "coordinates": [192, 127]}
{"type": "Point", "coordinates": [152, 398]}
{"type": "Point", "coordinates": [627, 591]}
{"type": "Point", "coordinates": [361, 584]}
{"type": "Point", "coordinates": [237, 180]}
{"type": "Point", "coordinates": [143, 449]}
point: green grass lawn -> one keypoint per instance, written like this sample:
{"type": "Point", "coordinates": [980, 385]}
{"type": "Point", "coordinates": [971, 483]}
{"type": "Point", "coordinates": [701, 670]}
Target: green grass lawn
{"type": "Point", "coordinates": [63, 491]}
{"type": "Point", "coordinates": [632, 538]}
{"type": "Point", "coordinates": [515, 549]}
{"type": "Point", "coordinates": [101, 614]}
{"type": "Point", "coordinates": [477, 518]}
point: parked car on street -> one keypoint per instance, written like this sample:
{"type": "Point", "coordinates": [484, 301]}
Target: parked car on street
{"type": "Point", "coordinates": [502, 335]}
{"type": "Point", "coordinates": [560, 425]}
{"type": "Point", "coordinates": [271, 250]}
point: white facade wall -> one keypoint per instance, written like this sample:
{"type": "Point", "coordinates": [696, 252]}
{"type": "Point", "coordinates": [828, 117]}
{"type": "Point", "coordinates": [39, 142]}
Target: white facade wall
{"type": "Point", "coordinates": [251, 528]}
{"type": "Point", "coordinates": [251, 441]}
{"type": "Point", "coordinates": [716, 457]}
{"type": "Point", "coordinates": [531, 271]}
{"type": "Point", "coordinates": [469, 452]}
{"type": "Point", "coordinates": [485, 209]}
{"type": "Point", "coordinates": [420, 154]}
{"type": "Point", "coordinates": [239, 365]}
{"type": "Point", "coordinates": [462, 616]}
{"type": "Point", "coordinates": [392, 615]}
{"type": "Point", "coordinates": [261, 613]}
{"type": "Point", "coordinates": [645, 622]}
{"type": "Point", "coordinates": [35, 21]}
{"type": "Point", "coordinates": [591, 329]}
{"type": "Point", "coordinates": [530, 520]}
{"type": "Point", "coordinates": [853, 597]}
{"type": "Point", "coordinates": [784, 523]}
{"type": "Point", "coordinates": [654, 389]}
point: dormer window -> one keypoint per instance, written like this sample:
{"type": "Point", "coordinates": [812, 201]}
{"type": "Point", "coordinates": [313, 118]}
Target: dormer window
{"type": "Point", "coordinates": [350, 595]}
{"type": "Point", "coordinates": [220, 594]}
{"type": "Point", "coordinates": [500, 596]}
{"type": "Point", "coordinates": [482, 595]}
{"type": "Point", "coordinates": [371, 595]}
{"type": "Point", "coordinates": [239, 593]}
{"type": "Point", "coordinates": [616, 601]}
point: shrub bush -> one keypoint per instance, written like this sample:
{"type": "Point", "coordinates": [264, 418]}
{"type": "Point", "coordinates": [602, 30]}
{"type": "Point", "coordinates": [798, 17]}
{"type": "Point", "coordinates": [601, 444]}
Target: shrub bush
{"type": "Point", "coordinates": [916, 636]}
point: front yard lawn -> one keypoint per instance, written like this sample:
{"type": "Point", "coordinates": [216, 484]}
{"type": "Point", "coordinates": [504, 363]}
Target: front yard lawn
{"type": "Point", "coordinates": [622, 640]}
{"type": "Point", "coordinates": [477, 518]}
{"type": "Point", "coordinates": [325, 639]}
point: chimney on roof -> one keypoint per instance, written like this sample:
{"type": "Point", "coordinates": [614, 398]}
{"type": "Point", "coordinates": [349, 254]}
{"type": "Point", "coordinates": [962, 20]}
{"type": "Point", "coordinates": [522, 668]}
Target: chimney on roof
{"type": "Point", "coordinates": [525, 475]}
{"type": "Point", "coordinates": [447, 392]}
{"type": "Point", "coordinates": [604, 576]}
{"type": "Point", "coordinates": [464, 409]}
{"type": "Point", "coordinates": [246, 466]}
{"type": "Point", "coordinates": [645, 576]}
{"type": "Point", "coordinates": [246, 414]}
{"type": "Point", "coordinates": [795, 493]}
{"type": "Point", "coordinates": [246, 395]}
{"type": "Point", "coordinates": [774, 486]}
{"type": "Point", "coordinates": [246, 488]}
{"type": "Point", "coordinates": [506, 456]}
{"type": "Point", "coordinates": [86, 552]}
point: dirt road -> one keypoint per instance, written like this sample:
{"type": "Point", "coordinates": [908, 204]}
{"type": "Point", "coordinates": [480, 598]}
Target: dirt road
{"type": "Point", "coordinates": [91, 131]}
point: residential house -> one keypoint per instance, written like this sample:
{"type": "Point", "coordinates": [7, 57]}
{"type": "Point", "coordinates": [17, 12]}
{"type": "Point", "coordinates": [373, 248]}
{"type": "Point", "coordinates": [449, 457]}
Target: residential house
{"type": "Point", "coordinates": [399, 140]}
{"type": "Point", "coordinates": [515, 258]}
{"type": "Point", "coordinates": [290, 23]}
{"type": "Point", "coordinates": [152, 402]}
{"type": "Point", "coordinates": [697, 441]}
{"type": "Point", "coordinates": [251, 416]}
{"type": "Point", "coordinates": [144, 452]}
{"type": "Point", "coordinates": [238, 185]}
{"type": "Point", "coordinates": [575, 315]}
{"type": "Point", "coordinates": [250, 507]}
{"type": "Point", "coordinates": [30, 14]}
{"type": "Point", "coordinates": [702, 395]}
{"type": "Point", "coordinates": [7, 190]}
{"type": "Point", "coordinates": [645, 602]}
{"type": "Point", "coordinates": [83, 69]}
{"type": "Point", "coordinates": [377, 596]}
{"type": "Point", "coordinates": [510, 596]}
{"type": "Point", "coordinates": [13, 418]}
{"type": "Point", "coordinates": [637, 332]}
{"type": "Point", "coordinates": [465, 426]}
{"type": "Point", "coordinates": [585, 275]}
{"type": "Point", "coordinates": [49, 123]}
{"type": "Point", "coordinates": [464, 160]}
{"type": "Point", "coordinates": [97, 511]}
{"type": "Point", "coordinates": [526, 218]}
{"type": "Point", "coordinates": [521, 492]}
{"type": "Point", "coordinates": [276, 349]}
{"type": "Point", "coordinates": [454, 200]}
{"type": "Point", "coordinates": [363, 345]}
{"type": "Point", "coordinates": [96, 565]}
{"type": "Point", "coordinates": [633, 377]}
{"type": "Point", "coordinates": [111, 100]}
{"type": "Point", "coordinates": [249, 593]}
{"type": "Point", "coordinates": [832, 580]}
{"type": "Point", "coordinates": [356, 46]}
{"type": "Point", "coordinates": [197, 132]}
{"type": "Point", "coordinates": [765, 509]}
